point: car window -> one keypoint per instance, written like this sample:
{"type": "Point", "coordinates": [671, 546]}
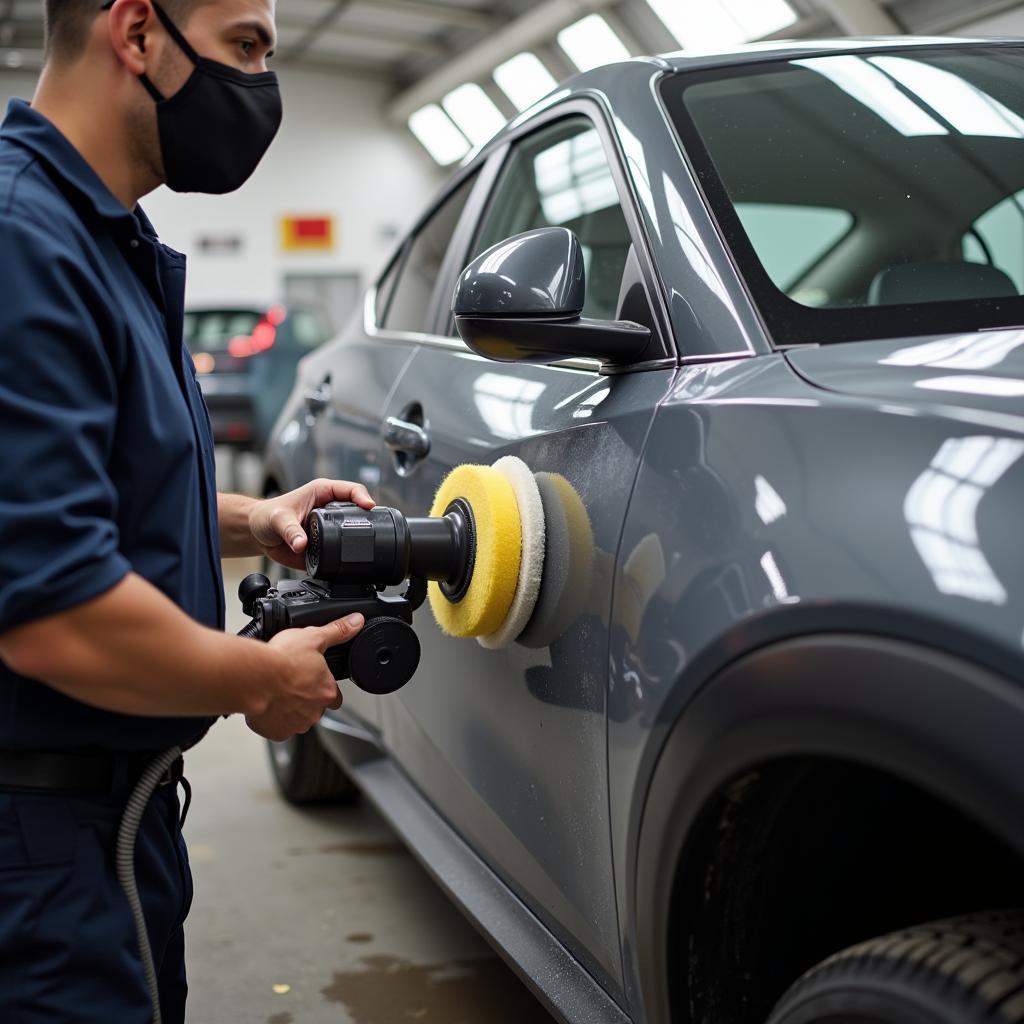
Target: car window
{"type": "Point", "coordinates": [308, 328]}
{"type": "Point", "coordinates": [916, 145]}
{"type": "Point", "coordinates": [997, 238]}
{"type": "Point", "coordinates": [792, 239]}
{"type": "Point", "coordinates": [212, 330]}
{"type": "Point", "coordinates": [410, 305]}
{"type": "Point", "coordinates": [384, 288]}
{"type": "Point", "coordinates": [560, 177]}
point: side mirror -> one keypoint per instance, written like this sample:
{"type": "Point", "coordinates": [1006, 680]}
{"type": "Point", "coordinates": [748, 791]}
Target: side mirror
{"type": "Point", "coordinates": [522, 300]}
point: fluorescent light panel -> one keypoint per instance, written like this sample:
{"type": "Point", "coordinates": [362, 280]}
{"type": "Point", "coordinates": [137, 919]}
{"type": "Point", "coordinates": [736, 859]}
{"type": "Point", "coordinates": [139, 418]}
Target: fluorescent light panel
{"type": "Point", "coordinates": [441, 139]}
{"type": "Point", "coordinates": [524, 80]}
{"type": "Point", "coordinates": [474, 112]}
{"type": "Point", "coordinates": [590, 42]}
{"type": "Point", "coordinates": [718, 24]}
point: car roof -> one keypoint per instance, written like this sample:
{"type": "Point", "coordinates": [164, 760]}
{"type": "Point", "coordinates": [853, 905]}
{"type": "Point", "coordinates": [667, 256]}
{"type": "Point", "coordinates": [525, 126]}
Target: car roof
{"type": "Point", "coordinates": [606, 77]}
{"type": "Point", "coordinates": [786, 49]}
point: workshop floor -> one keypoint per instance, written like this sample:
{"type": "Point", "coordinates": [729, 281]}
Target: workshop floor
{"type": "Point", "coordinates": [310, 917]}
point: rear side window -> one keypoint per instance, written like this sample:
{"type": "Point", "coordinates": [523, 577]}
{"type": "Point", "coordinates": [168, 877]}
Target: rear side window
{"type": "Point", "coordinates": [997, 238]}
{"type": "Point", "coordinates": [420, 266]}
{"type": "Point", "coordinates": [560, 177]}
{"type": "Point", "coordinates": [792, 240]}
{"type": "Point", "coordinates": [310, 329]}
{"type": "Point", "coordinates": [385, 287]}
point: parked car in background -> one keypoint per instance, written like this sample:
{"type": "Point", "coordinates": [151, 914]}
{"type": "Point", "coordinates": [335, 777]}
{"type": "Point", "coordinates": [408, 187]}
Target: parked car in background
{"type": "Point", "coordinates": [245, 359]}
{"type": "Point", "coordinates": [772, 769]}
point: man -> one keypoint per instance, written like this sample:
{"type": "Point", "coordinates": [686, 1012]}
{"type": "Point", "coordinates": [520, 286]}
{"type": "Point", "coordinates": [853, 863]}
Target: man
{"type": "Point", "coordinates": [111, 530]}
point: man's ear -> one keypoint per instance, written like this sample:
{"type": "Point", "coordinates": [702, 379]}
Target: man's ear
{"type": "Point", "coordinates": [131, 25]}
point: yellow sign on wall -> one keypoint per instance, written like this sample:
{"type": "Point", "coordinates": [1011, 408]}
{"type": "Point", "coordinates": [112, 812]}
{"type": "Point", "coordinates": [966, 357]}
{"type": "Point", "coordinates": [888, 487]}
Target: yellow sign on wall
{"type": "Point", "coordinates": [307, 233]}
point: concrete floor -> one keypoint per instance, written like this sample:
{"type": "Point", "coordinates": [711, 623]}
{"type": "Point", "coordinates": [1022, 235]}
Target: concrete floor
{"type": "Point", "coordinates": [310, 917]}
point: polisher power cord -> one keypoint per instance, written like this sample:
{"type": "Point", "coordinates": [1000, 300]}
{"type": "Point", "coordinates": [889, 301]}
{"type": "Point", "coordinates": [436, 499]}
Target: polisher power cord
{"type": "Point", "coordinates": [127, 834]}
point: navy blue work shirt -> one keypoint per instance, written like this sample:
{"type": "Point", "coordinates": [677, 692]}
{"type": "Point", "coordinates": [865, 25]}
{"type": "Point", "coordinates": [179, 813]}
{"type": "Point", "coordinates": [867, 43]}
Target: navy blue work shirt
{"type": "Point", "coordinates": [106, 453]}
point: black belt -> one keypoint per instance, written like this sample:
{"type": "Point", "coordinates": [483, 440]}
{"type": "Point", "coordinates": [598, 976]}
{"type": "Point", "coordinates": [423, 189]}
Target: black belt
{"type": "Point", "coordinates": [99, 773]}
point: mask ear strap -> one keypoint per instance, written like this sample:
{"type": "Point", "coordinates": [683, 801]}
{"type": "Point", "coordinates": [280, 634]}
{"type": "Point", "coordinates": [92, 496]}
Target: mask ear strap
{"type": "Point", "coordinates": [175, 33]}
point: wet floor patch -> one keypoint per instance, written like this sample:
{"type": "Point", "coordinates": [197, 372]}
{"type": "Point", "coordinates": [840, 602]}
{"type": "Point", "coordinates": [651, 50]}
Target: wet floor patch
{"type": "Point", "coordinates": [354, 849]}
{"type": "Point", "coordinates": [391, 991]}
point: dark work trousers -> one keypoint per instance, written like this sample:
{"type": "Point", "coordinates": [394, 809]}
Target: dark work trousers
{"type": "Point", "coordinates": [68, 951]}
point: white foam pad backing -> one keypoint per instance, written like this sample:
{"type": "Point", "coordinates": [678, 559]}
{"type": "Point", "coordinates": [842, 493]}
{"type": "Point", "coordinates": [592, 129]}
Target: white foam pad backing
{"type": "Point", "coordinates": [531, 566]}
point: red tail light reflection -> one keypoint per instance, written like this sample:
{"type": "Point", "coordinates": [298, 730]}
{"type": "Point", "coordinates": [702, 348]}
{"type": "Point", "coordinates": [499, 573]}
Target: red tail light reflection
{"type": "Point", "coordinates": [263, 336]}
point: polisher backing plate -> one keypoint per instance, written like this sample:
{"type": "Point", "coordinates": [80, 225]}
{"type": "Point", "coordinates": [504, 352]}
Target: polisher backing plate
{"type": "Point", "coordinates": [499, 542]}
{"type": "Point", "coordinates": [568, 562]}
{"type": "Point", "coordinates": [531, 566]}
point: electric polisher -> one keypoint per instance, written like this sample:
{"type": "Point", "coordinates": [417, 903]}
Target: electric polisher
{"type": "Point", "coordinates": [483, 557]}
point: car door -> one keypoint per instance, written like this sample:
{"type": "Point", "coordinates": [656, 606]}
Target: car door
{"type": "Point", "coordinates": [348, 383]}
{"type": "Point", "coordinates": [510, 745]}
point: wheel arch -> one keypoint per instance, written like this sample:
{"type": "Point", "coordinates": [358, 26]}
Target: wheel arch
{"type": "Point", "coordinates": [902, 709]}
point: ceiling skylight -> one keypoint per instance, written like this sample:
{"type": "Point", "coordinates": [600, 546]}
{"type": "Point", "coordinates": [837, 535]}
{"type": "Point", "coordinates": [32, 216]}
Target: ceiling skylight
{"type": "Point", "coordinates": [590, 42]}
{"type": "Point", "coordinates": [442, 140]}
{"type": "Point", "coordinates": [524, 79]}
{"type": "Point", "coordinates": [716, 24]}
{"type": "Point", "coordinates": [474, 112]}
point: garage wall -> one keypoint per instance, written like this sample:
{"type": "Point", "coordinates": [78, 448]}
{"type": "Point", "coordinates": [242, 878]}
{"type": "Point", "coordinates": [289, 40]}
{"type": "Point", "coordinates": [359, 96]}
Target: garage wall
{"type": "Point", "coordinates": [334, 156]}
{"type": "Point", "coordinates": [1009, 24]}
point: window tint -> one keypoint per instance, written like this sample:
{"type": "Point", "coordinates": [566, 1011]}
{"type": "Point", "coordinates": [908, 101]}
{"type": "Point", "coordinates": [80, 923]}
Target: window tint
{"type": "Point", "coordinates": [917, 145]}
{"type": "Point", "coordinates": [212, 330]}
{"type": "Point", "coordinates": [309, 329]}
{"type": "Point", "coordinates": [791, 240]}
{"type": "Point", "coordinates": [421, 264]}
{"type": "Point", "coordinates": [561, 178]}
{"type": "Point", "coordinates": [384, 288]}
{"type": "Point", "coordinates": [997, 238]}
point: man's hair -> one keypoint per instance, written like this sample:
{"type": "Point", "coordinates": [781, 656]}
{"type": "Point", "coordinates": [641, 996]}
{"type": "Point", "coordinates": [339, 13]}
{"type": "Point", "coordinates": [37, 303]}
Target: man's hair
{"type": "Point", "coordinates": [68, 22]}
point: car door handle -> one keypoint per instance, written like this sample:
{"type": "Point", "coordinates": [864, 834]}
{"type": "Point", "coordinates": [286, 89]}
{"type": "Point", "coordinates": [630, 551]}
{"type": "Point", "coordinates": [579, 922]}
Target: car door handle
{"type": "Point", "coordinates": [410, 438]}
{"type": "Point", "coordinates": [318, 398]}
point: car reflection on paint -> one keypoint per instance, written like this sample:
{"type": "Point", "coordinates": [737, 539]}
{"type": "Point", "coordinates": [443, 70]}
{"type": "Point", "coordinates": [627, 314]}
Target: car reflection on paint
{"type": "Point", "coordinates": [784, 716]}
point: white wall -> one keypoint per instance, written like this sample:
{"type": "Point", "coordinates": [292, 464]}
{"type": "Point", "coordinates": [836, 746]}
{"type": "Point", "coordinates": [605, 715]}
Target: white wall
{"type": "Point", "coordinates": [1011, 23]}
{"type": "Point", "coordinates": [335, 155]}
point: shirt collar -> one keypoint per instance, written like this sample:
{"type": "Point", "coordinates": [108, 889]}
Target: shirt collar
{"type": "Point", "coordinates": [36, 133]}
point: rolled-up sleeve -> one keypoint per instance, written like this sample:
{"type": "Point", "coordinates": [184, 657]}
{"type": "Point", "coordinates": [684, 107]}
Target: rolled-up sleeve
{"type": "Point", "coordinates": [58, 421]}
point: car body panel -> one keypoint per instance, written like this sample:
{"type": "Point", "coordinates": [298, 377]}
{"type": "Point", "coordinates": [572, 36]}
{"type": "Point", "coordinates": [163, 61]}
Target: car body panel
{"type": "Point", "coordinates": [763, 540]}
{"type": "Point", "coordinates": [510, 742]}
{"type": "Point", "coordinates": [967, 375]}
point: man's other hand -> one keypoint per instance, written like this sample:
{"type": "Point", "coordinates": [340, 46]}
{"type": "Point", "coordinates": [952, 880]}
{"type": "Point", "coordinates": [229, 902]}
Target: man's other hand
{"type": "Point", "coordinates": [277, 524]}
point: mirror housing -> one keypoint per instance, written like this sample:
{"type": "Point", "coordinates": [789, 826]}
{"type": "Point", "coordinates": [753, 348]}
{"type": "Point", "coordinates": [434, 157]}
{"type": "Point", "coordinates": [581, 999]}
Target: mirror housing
{"type": "Point", "coordinates": [522, 300]}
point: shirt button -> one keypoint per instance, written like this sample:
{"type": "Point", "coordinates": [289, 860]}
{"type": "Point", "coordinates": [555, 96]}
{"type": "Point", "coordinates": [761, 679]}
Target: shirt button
{"type": "Point", "coordinates": [134, 243]}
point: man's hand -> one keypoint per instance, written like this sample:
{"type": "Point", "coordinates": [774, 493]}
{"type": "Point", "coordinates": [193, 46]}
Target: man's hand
{"type": "Point", "coordinates": [306, 687]}
{"type": "Point", "coordinates": [276, 525]}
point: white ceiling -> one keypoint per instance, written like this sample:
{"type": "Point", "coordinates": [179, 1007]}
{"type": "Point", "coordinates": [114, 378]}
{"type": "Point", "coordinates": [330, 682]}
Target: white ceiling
{"type": "Point", "coordinates": [408, 42]}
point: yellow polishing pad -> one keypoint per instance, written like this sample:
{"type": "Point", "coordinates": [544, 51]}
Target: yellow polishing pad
{"type": "Point", "coordinates": [499, 544]}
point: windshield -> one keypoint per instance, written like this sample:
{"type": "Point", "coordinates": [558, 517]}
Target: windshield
{"type": "Point", "coordinates": [867, 195]}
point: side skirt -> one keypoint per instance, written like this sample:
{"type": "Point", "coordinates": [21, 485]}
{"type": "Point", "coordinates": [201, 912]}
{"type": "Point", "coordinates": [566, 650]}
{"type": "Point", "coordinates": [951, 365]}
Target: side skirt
{"type": "Point", "coordinates": [543, 963]}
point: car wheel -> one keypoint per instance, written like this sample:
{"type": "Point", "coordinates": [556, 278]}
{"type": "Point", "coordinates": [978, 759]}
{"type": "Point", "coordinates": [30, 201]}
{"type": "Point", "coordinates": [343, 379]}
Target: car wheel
{"type": "Point", "coordinates": [965, 970]}
{"type": "Point", "coordinates": [306, 774]}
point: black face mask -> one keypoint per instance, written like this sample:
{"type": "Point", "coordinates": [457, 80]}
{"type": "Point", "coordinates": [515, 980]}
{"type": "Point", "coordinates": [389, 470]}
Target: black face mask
{"type": "Point", "coordinates": [217, 127]}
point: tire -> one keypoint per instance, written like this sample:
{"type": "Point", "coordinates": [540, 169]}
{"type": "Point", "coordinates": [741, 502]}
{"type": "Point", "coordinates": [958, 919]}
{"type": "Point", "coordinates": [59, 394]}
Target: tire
{"type": "Point", "coordinates": [306, 774]}
{"type": "Point", "coordinates": [965, 970]}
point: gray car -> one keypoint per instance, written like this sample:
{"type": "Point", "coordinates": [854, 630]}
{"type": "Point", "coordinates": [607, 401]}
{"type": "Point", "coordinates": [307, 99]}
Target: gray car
{"type": "Point", "coordinates": [782, 734]}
